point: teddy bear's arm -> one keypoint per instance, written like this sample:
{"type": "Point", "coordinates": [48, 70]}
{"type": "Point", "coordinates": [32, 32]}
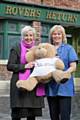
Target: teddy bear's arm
{"type": "Point", "coordinates": [30, 56]}
{"type": "Point", "coordinates": [63, 76]}
{"type": "Point", "coordinates": [59, 64]}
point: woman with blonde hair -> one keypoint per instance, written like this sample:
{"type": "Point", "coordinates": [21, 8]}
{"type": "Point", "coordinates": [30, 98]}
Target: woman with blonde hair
{"type": "Point", "coordinates": [24, 104]}
{"type": "Point", "coordinates": [59, 94]}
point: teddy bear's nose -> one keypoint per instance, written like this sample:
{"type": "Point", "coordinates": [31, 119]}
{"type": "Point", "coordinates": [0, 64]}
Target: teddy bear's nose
{"type": "Point", "coordinates": [39, 48]}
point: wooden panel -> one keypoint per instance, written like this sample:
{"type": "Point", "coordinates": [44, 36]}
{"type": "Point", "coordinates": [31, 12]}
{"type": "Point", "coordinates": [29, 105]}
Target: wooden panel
{"type": "Point", "coordinates": [1, 46]}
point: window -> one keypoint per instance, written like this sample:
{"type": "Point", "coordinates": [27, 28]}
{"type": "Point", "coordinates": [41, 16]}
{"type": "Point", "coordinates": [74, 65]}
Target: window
{"type": "Point", "coordinates": [12, 39]}
{"type": "Point", "coordinates": [45, 32]}
{"type": "Point", "coordinates": [10, 33]}
{"type": "Point", "coordinates": [12, 27]}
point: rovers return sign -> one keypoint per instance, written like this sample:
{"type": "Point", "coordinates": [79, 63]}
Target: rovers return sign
{"type": "Point", "coordinates": [39, 13]}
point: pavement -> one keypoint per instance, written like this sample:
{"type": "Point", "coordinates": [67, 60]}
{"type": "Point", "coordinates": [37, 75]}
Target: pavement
{"type": "Point", "coordinates": [5, 104]}
{"type": "Point", "coordinates": [5, 108]}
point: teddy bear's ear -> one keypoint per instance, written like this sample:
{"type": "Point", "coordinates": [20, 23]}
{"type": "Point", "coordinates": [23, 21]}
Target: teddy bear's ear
{"type": "Point", "coordinates": [51, 51]}
{"type": "Point", "coordinates": [30, 54]}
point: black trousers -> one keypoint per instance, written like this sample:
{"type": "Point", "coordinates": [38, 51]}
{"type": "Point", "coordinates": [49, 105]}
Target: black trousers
{"type": "Point", "coordinates": [28, 118]}
{"type": "Point", "coordinates": [59, 107]}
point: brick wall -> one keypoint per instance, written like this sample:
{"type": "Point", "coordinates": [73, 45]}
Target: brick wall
{"type": "Point", "coordinates": [32, 1]}
{"type": "Point", "coordinates": [48, 2]}
{"type": "Point", "coordinates": [37, 26]}
{"type": "Point", "coordinates": [71, 4]}
{"type": "Point", "coordinates": [4, 74]}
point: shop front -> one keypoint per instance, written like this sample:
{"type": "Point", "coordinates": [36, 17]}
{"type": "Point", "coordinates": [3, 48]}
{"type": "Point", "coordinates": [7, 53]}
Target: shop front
{"type": "Point", "coordinates": [14, 16]}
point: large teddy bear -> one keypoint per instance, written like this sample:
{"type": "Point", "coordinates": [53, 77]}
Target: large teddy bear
{"type": "Point", "coordinates": [47, 66]}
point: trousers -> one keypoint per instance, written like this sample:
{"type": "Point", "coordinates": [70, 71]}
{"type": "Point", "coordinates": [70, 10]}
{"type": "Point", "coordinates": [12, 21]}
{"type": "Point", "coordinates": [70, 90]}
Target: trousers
{"type": "Point", "coordinates": [59, 107]}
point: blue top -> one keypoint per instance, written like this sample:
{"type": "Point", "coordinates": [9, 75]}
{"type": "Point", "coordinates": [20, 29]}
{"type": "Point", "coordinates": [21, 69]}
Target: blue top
{"type": "Point", "coordinates": [68, 55]}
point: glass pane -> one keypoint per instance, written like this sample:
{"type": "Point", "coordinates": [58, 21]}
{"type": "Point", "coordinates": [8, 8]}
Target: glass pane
{"type": "Point", "coordinates": [1, 45]}
{"type": "Point", "coordinates": [1, 27]}
{"type": "Point", "coordinates": [44, 39]}
{"type": "Point", "coordinates": [12, 40]}
{"type": "Point", "coordinates": [44, 30]}
{"type": "Point", "coordinates": [69, 40]}
{"type": "Point", "coordinates": [12, 27]}
{"type": "Point", "coordinates": [24, 24]}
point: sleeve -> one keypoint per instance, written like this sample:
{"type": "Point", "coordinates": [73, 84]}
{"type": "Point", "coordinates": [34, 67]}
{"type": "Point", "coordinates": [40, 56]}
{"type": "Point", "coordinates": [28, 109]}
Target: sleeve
{"type": "Point", "coordinates": [73, 55]}
{"type": "Point", "coordinates": [13, 62]}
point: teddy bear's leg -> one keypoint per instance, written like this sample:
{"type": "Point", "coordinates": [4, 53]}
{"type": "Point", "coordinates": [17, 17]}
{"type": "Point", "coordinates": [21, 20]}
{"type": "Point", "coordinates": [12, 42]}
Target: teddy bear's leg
{"type": "Point", "coordinates": [66, 76]}
{"type": "Point", "coordinates": [29, 84]}
{"type": "Point", "coordinates": [57, 75]}
{"type": "Point", "coordinates": [61, 76]}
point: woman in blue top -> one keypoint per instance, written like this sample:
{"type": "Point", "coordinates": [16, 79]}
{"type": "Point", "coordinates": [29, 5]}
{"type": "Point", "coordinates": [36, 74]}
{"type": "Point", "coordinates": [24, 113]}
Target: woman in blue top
{"type": "Point", "coordinates": [59, 95]}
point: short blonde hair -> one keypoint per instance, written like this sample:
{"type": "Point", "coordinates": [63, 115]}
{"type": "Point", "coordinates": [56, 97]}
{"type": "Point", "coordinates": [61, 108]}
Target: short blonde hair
{"type": "Point", "coordinates": [26, 29]}
{"type": "Point", "coordinates": [61, 28]}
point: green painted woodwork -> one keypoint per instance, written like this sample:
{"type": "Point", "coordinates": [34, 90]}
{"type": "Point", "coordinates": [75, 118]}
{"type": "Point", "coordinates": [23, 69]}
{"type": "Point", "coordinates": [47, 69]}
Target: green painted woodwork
{"type": "Point", "coordinates": [5, 42]}
{"type": "Point", "coordinates": [1, 39]}
{"type": "Point", "coordinates": [1, 46]}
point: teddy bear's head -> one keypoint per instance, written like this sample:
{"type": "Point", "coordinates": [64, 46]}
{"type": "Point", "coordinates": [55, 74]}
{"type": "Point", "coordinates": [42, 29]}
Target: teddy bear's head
{"type": "Point", "coordinates": [43, 50]}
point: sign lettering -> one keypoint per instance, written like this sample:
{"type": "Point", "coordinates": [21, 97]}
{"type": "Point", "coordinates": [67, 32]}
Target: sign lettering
{"type": "Point", "coordinates": [39, 13]}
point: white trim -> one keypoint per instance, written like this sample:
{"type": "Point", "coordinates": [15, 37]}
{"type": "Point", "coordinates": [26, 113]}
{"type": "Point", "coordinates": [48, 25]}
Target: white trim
{"type": "Point", "coordinates": [4, 88]}
{"type": "Point", "coordinates": [4, 84]}
{"type": "Point", "coordinates": [3, 62]}
{"type": "Point", "coordinates": [4, 95]}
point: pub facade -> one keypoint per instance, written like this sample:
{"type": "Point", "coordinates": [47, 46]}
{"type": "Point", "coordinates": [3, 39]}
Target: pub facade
{"type": "Point", "coordinates": [15, 14]}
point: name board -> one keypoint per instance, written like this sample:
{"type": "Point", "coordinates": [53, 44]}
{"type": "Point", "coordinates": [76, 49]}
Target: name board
{"type": "Point", "coordinates": [40, 13]}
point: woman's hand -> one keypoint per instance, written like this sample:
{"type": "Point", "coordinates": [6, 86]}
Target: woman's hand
{"type": "Point", "coordinates": [72, 67]}
{"type": "Point", "coordinates": [30, 65]}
